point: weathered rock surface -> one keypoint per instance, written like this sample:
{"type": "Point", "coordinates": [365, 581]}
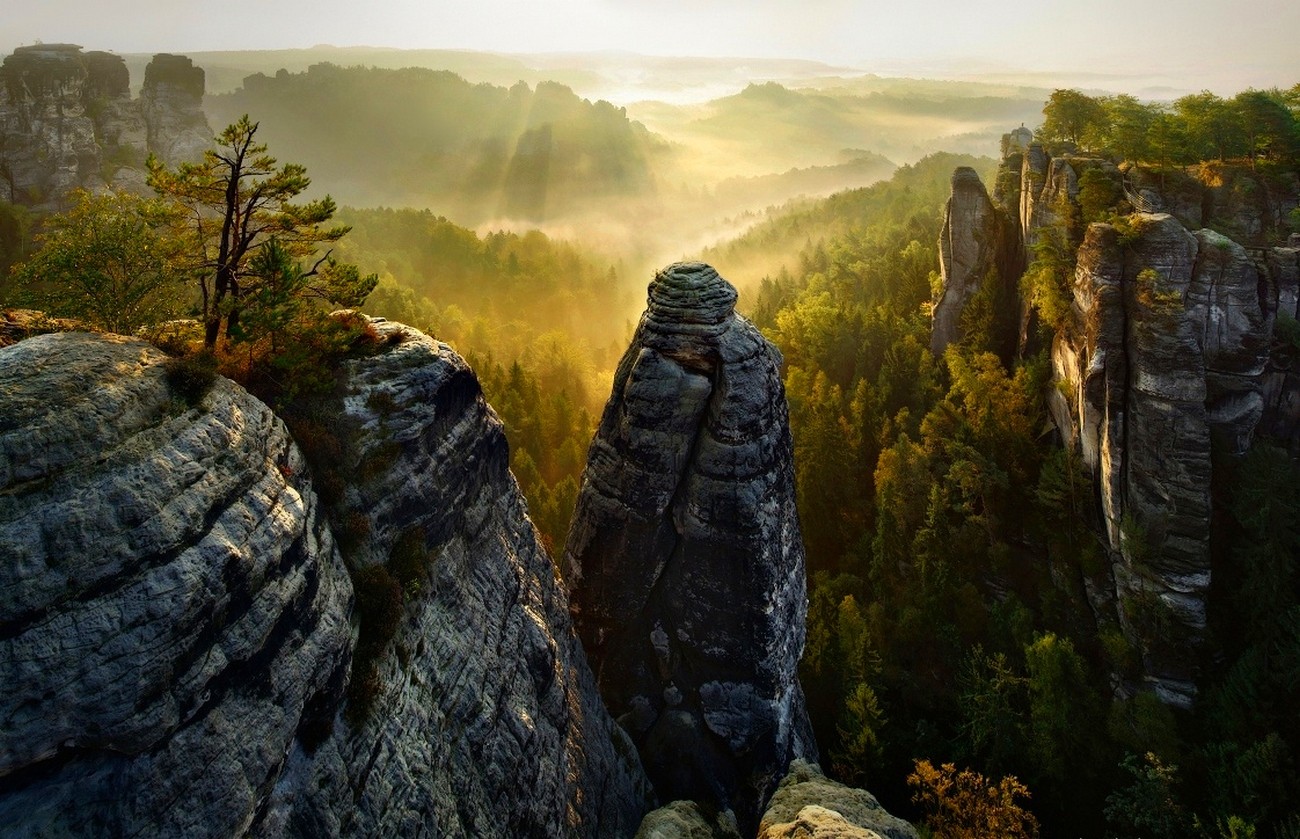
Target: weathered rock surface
{"type": "Point", "coordinates": [1281, 383]}
{"type": "Point", "coordinates": [67, 121]}
{"type": "Point", "coordinates": [685, 562]}
{"type": "Point", "coordinates": [171, 604]}
{"type": "Point", "coordinates": [807, 803]}
{"type": "Point", "coordinates": [687, 820]}
{"type": "Point", "coordinates": [1167, 349]}
{"type": "Point", "coordinates": [172, 104]}
{"type": "Point", "coordinates": [978, 247]}
{"type": "Point", "coordinates": [488, 722]}
{"type": "Point", "coordinates": [175, 636]}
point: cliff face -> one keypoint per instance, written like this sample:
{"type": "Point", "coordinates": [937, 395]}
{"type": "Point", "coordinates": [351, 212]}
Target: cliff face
{"type": "Point", "coordinates": [487, 720]}
{"type": "Point", "coordinates": [684, 560]}
{"type": "Point", "coordinates": [978, 251]}
{"type": "Point", "coordinates": [172, 104]}
{"type": "Point", "coordinates": [177, 626]}
{"type": "Point", "coordinates": [1168, 350]}
{"type": "Point", "coordinates": [67, 121]}
{"type": "Point", "coordinates": [172, 608]}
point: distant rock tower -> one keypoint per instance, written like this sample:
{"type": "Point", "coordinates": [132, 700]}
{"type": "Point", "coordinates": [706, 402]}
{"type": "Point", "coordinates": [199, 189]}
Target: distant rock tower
{"type": "Point", "coordinates": [685, 560]}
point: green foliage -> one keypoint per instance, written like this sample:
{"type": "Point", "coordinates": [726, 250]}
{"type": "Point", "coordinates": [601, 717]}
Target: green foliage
{"type": "Point", "coordinates": [15, 245]}
{"type": "Point", "coordinates": [110, 260]}
{"type": "Point", "coordinates": [1070, 117]}
{"type": "Point", "coordinates": [1047, 281]}
{"type": "Point", "coordinates": [1261, 126]}
{"type": "Point", "coordinates": [1099, 194]}
{"type": "Point", "coordinates": [993, 702]}
{"type": "Point", "coordinates": [1148, 806]}
{"type": "Point", "coordinates": [235, 203]}
{"type": "Point", "coordinates": [1151, 290]}
{"type": "Point", "coordinates": [1059, 708]}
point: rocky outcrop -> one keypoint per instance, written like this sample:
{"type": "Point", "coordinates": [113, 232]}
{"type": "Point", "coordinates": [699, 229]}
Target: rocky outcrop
{"type": "Point", "coordinates": [687, 820]}
{"type": "Point", "coordinates": [47, 135]}
{"type": "Point", "coordinates": [172, 607]}
{"type": "Point", "coordinates": [67, 121]}
{"type": "Point", "coordinates": [684, 560]}
{"type": "Point", "coordinates": [172, 104]}
{"type": "Point", "coordinates": [808, 804]}
{"type": "Point", "coordinates": [177, 627]}
{"type": "Point", "coordinates": [1166, 352]}
{"type": "Point", "coordinates": [1169, 349]}
{"type": "Point", "coordinates": [487, 720]}
{"type": "Point", "coordinates": [978, 251]}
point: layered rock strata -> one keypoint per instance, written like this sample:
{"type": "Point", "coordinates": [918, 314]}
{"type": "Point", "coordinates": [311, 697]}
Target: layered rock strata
{"type": "Point", "coordinates": [807, 803]}
{"type": "Point", "coordinates": [67, 121]}
{"type": "Point", "coordinates": [172, 104]}
{"type": "Point", "coordinates": [1166, 351]}
{"type": "Point", "coordinates": [488, 721]}
{"type": "Point", "coordinates": [685, 562]}
{"type": "Point", "coordinates": [1169, 349]}
{"type": "Point", "coordinates": [177, 627]}
{"type": "Point", "coordinates": [978, 252]}
{"type": "Point", "coordinates": [172, 608]}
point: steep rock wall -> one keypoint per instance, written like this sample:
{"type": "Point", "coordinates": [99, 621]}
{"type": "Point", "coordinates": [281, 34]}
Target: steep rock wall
{"type": "Point", "coordinates": [171, 604]}
{"type": "Point", "coordinates": [1169, 350]}
{"type": "Point", "coordinates": [67, 121]}
{"type": "Point", "coordinates": [176, 621]}
{"type": "Point", "coordinates": [1166, 351]}
{"type": "Point", "coordinates": [979, 251]}
{"type": "Point", "coordinates": [488, 721]}
{"type": "Point", "coordinates": [685, 561]}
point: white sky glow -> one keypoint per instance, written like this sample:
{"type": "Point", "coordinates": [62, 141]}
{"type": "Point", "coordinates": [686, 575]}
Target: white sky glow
{"type": "Point", "coordinates": [1197, 43]}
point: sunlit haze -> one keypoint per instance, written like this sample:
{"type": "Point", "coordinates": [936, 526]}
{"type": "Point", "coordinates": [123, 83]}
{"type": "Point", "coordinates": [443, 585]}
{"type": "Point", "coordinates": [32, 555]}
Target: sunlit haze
{"type": "Point", "coordinates": [1115, 44]}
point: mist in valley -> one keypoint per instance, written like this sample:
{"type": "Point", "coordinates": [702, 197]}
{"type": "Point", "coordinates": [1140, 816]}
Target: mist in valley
{"type": "Point", "coordinates": [512, 194]}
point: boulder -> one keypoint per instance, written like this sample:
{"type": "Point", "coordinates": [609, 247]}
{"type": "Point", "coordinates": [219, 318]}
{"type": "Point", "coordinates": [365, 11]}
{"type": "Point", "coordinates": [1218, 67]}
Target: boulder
{"type": "Point", "coordinates": [807, 803]}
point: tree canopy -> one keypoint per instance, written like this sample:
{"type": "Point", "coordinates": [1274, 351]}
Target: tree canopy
{"type": "Point", "coordinates": [237, 201]}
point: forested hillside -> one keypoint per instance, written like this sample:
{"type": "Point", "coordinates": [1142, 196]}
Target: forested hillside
{"type": "Point", "coordinates": [425, 138]}
{"type": "Point", "coordinates": [542, 322]}
{"type": "Point", "coordinates": [950, 536]}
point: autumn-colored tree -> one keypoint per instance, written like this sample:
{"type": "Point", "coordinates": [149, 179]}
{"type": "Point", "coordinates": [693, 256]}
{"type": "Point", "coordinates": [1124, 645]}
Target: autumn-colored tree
{"type": "Point", "coordinates": [966, 805]}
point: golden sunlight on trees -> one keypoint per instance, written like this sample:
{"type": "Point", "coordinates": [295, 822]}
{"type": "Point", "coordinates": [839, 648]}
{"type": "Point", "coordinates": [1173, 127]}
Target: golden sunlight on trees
{"type": "Point", "coordinates": [966, 805]}
{"type": "Point", "coordinates": [237, 202]}
{"type": "Point", "coordinates": [108, 260]}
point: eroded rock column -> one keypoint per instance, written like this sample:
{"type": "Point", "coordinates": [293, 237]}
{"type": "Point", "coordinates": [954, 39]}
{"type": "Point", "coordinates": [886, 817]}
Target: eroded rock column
{"type": "Point", "coordinates": [685, 560]}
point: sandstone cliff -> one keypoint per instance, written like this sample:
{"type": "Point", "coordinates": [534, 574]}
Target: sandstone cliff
{"type": "Point", "coordinates": [177, 625]}
{"type": "Point", "coordinates": [806, 805]}
{"type": "Point", "coordinates": [1165, 351]}
{"type": "Point", "coordinates": [684, 560]}
{"type": "Point", "coordinates": [172, 608]}
{"type": "Point", "coordinates": [979, 251]}
{"type": "Point", "coordinates": [67, 121]}
{"type": "Point", "coordinates": [488, 721]}
{"type": "Point", "coordinates": [1168, 350]}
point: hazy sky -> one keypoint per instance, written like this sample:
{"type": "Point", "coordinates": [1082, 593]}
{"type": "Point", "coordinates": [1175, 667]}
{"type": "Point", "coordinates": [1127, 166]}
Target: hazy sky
{"type": "Point", "coordinates": [1203, 43]}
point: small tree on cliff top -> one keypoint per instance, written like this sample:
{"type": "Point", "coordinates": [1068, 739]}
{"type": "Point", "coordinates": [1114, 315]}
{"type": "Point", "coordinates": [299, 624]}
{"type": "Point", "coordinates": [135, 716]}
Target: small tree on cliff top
{"type": "Point", "coordinates": [237, 201]}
